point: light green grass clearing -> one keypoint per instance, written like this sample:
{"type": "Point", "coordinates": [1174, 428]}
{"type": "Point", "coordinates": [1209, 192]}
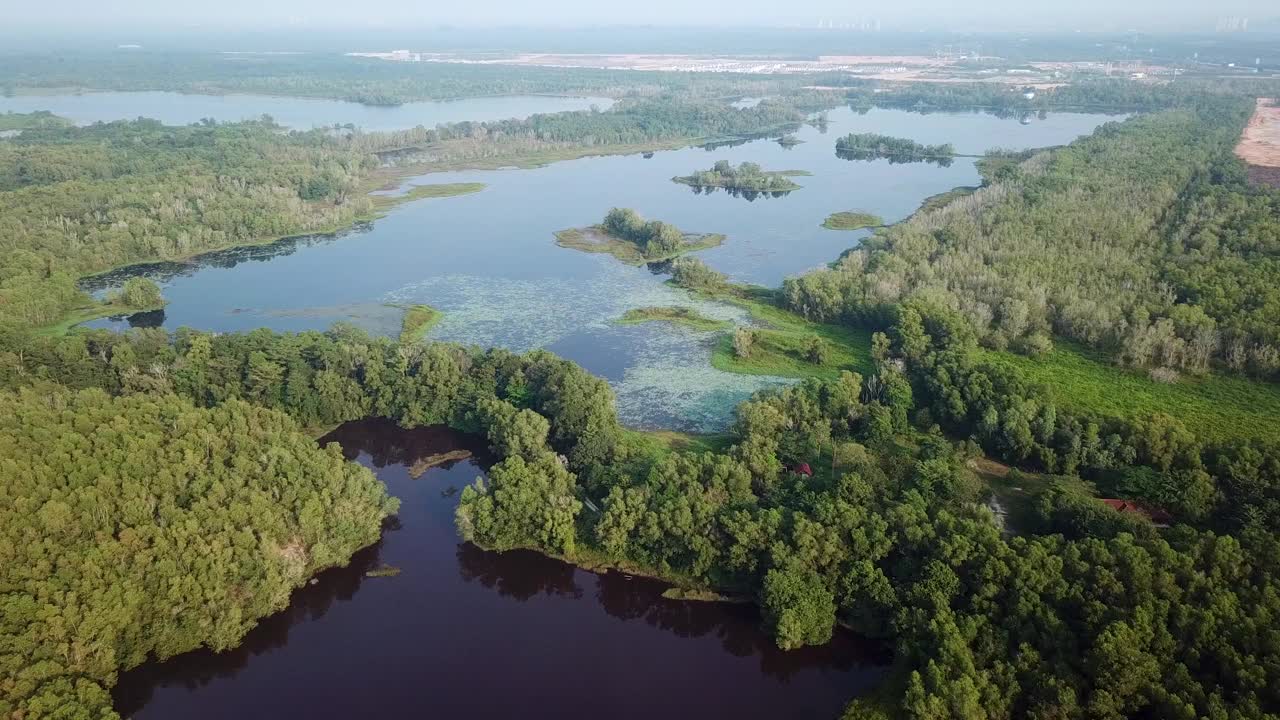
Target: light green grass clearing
{"type": "Point", "coordinates": [852, 221]}
{"type": "Point", "coordinates": [89, 312]}
{"type": "Point", "coordinates": [653, 445]}
{"type": "Point", "coordinates": [678, 315]}
{"type": "Point", "coordinates": [420, 192]}
{"type": "Point", "coordinates": [783, 338]}
{"type": "Point", "coordinates": [1214, 407]}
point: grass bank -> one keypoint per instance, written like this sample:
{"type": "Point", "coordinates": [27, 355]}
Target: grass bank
{"type": "Point", "coordinates": [1214, 406]}
{"type": "Point", "coordinates": [852, 221]}
{"type": "Point", "coordinates": [418, 321]}
{"type": "Point", "coordinates": [783, 339]}
{"type": "Point", "coordinates": [679, 315]}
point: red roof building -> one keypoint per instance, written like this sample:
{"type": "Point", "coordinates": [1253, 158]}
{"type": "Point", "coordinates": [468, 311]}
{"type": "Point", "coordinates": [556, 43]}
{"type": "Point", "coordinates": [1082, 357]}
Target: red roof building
{"type": "Point", "coordinates": [1155, 515]}
{"type": "Point", "coordinates": [803, 469]}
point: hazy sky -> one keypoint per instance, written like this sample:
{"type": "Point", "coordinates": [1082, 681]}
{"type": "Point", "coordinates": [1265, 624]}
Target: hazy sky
{"type": "Point", "coordinates": [996, 14]}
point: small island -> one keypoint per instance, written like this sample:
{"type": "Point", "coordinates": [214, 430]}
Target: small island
{"type": "Point", "coordinates": [870, 146]}
{"type": "Point", "coordinates": [745, 178]}
{"type": "Point", "coordinates": [635, 241]}
{"type": "Point", "coordinates": [789, 141]}
{"type": "Point", "coordinates": [852, 221]}
{"type": "Point", "coordinates": [679, 315]}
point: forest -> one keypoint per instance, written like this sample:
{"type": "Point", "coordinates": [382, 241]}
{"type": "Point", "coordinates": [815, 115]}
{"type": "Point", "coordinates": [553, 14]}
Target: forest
{"type": "Point", "coordinates": [142, 526]}
{"type": "Point", "coordinates": [363, 80]}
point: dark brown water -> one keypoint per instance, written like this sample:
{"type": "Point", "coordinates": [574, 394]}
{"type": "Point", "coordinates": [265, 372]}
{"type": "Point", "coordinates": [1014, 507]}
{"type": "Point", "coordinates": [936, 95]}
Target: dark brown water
{"type": "Point", "coordinates": [466, 633]}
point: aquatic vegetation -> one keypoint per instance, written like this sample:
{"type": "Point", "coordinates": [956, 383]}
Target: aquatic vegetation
{"type": "Point", "coordinates": [667, 380]}
{"type": "Point", "coordinates": [686, 316]}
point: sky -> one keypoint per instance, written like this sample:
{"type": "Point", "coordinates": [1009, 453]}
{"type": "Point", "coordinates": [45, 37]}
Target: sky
{"type": "Point", "coordinates": [895, 14]}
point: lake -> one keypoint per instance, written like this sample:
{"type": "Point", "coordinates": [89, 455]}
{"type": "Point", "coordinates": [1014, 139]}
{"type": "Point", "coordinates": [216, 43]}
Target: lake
{"type": "Point", "coordinates": [173, 108]}
{"type": "Point", "coordinates": [490, 262]}
{"type": "Point", "coordinates": [466, 633]}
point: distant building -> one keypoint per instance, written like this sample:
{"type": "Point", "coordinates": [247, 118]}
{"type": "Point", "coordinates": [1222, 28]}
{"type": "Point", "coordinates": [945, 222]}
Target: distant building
{"type": "Point", "coordinates": [1155, 515]}
{"type": "Point", "coordinates": [1029, 95]}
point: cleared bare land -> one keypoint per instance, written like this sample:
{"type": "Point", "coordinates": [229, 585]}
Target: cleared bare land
{"type": "Point", "coordinates": [1259, 146]}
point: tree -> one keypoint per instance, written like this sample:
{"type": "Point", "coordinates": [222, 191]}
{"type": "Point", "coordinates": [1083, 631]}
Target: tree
{"type": "Point", "coordinates": [743, 340]}
{"type": "Point", "coordinates": [141, 293]}
{"type": "Point", "coordinates": [798, 607]}
{"type": "Point", "coordinates": [817, 351]}
{"type": "Point", "coordinates": [522, 504]}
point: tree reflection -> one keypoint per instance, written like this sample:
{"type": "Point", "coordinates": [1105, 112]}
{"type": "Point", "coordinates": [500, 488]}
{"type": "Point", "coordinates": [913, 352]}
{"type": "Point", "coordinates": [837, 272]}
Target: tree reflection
{"type": "Point", "coordinates": [517, 574]}
{"type": "Point", "coordinates": [164, 272]}
{"type": "Point", "coordinates": [388, 444]}
{"type": "Point", "coordinates": [868, 155]}
{"type": "Point", "coordinates": [196, 669]}
{"type": "Point", "coordinates": [748, 195]}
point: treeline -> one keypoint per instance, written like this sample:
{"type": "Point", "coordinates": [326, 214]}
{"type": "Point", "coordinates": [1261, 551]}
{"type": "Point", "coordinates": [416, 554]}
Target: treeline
{"type": "Point", "coordinates": [365, 80]}
{"type": "Point", "coordinates": [746, 176]}
{"type": "Point", "coordinates": [1141, 240]}
{"type": "Point", "coordinates": [628, 123]}
{"type": "Point", "coordinates": [1082, 93]}
{"type": "Point", "coordinates": [870, 146]}
{"type": "Point", "coordinates": [141, 527]}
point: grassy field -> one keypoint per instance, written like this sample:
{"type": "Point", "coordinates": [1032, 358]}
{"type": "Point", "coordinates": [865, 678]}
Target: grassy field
{"type": "Point", "coordinates": [595, 240]}
{"type": "Point", "coordinates": [654, 444]}
{"type": "Point", "coordinates": [852, 221]}
{"type": "Point", "coordinates": [418, 321]}
{"type": "Point", "coordinates": [783, 337]}
{"type": "Point", "coordinates": [1215, 406]}
{"type": "Point", "coordinates": [678, 315]}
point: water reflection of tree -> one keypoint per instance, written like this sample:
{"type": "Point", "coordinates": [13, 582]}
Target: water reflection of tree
{"type": "Point", "coordinates": [522, 575]}
{"type": "Point", "coordinates": [736, 626]}
{"type": "Point", "coordinates": [867, 155]}
{"type": "Point", "coordinates": [196, 669]}
{"type": "Point", "coordinates": [517, 574]}
{"type": "Point", "coordinates": [388, 444]}
{"type": "Point", "coordinates": [163, 272]}
{"type": "Point", "coordinates": [748, 195]}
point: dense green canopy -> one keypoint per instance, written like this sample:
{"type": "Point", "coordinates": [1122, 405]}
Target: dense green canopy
{"type": "Point", "coordinates": [142, 526]}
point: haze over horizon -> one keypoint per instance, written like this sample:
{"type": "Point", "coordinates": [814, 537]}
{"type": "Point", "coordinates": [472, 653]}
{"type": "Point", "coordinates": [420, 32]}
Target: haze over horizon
{"type": "Point", "coordinates": [993, 15]}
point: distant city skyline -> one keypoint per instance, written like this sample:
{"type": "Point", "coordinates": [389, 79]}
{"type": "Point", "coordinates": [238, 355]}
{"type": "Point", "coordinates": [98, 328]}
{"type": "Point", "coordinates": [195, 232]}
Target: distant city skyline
{"type": "Point", "coordinates": [1225, 15]}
